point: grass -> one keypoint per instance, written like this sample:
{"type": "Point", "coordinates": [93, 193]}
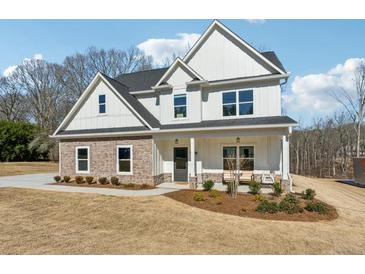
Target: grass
{"type": "Point", "coordinates": [20, 168]}
{"type": "Point", "coordinates": [45, 222]}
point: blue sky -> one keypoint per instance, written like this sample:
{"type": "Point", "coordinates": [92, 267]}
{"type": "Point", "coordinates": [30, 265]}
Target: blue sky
{"type": "Point", "coordinates": [309, 49]}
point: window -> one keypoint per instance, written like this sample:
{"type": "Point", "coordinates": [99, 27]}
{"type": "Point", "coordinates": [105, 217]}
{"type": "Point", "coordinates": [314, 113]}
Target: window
{"type": "Point", "coordinates": [82, 159]}
{"type": "Point", "coordinates": [102, 104]}
{"type": "Point", "coordinates": [124, 159]}
{"type": "Point", "coordinates": [246, 157]}
{"type": "Point", "coordinates": [244, 104]}
{"type": "Point", "coordinates": [180, 106]}
{"type": "Point", "coordinates": [229, 103]}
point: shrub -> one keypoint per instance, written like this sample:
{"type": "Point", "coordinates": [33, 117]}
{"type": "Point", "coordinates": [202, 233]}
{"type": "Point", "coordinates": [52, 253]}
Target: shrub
{"type": "Point", "coordinates": [308, 194]}
{"type": "Point", "coordinates": [66, 179]}
{"type": "Point", "coordinates": [254, 187]}
{"type": "Point", "coordinates": [198, 196]}
{"type": "Point", "coordinates": [232, 188]}
{"type": "Point", "coordinates": [103, 180]}
{"type": "Point", "coordinates": [267, 207]}
{"type": "Point", "coordinates": [144, 186]}
{"type": "Point", "coordinates": [260, 198]}
{"type": "Point", "coordinates": [79, 179]}
{"type": "Point", "coordinates": [57, 178]}
{"type": "Point", "coordinates": [214, 193]}
{"type": "Point", "coordinates": [208, 185]}
{"type": "Point", "coordinates": [114, 181]}
{"type": "Point", "coordinates": [290, 204]}
{"type": "Point", "coordinates": [89, 179]}
{"type": "Point", "coordinates": [276, 187]}
{"type": "Point", "coordinates": [129, 185]}
{"type": "Point", "coordinates": [321, 208]}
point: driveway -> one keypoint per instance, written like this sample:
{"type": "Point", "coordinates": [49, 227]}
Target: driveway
{"type": "Point", "coordinates": [41, 182]}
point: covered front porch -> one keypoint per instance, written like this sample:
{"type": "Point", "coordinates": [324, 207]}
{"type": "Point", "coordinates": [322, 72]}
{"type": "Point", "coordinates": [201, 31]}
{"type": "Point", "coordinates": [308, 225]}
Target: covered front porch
{"type": "Point", "coordinates": [203, 155]}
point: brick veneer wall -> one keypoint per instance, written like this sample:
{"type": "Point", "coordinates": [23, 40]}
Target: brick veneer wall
{"type": "Point", "coordinates": [103, 158]}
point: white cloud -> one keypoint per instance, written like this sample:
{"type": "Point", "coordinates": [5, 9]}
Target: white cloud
{"type": "Point", "coordinates": [256, 21]}
{"type": "Point", "coordinates": [162, 48]}
{"type": "Point", "coordinates": [9, 70]}
{"type": "Point", "coordinates": [310, 93]}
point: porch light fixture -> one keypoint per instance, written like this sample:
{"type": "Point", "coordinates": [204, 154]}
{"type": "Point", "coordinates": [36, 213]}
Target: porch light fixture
{"type": "Point", "coordinates": [238, 140]}
{"type": "Point", "coordinates": [176, 141]}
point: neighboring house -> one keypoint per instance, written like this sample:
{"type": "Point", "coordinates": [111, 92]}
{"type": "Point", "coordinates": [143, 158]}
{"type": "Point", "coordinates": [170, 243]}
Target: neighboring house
{"type": "Point", "coordinates": [183, 122]}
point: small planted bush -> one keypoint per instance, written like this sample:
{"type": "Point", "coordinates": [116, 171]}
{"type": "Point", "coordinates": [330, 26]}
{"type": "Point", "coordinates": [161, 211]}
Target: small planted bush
{"type": "Point", "coordinates": [268, 207]}
{"type": "Point", "coordinates": [290, 204]}
{"type": "Point", "coordinates": [57, 179]}
{"type": "Point", "coordinates": [254, 187]}
{"type": "Point", "coordinates": [79, 179]}
{"type": "Point", "coordinates": [199, 196]}
{"type": "Point", "coordinates": [276, 187]}
{"type": "Point", "coordinates": [66, 179]}
{"type": "Point", "coordinates": [308, 194]}
{"type": "Point", "coordinates": [144, 186]}
{"type": "Point", "coordinates": [129, 185]}
{"type": "Point", "coordinates": [320, 208]}
{"type": "Point", "coordinates": [103, 180]}
{"type": "Point", "coordinates": [214, 193]}
{"type": "Point", "coordinates": [260, 198]}
{"type": "Point", "coordinates": [89, 179]}
{"type": "Point", "coordinates": [208, 185]}
{"type": "Point", "coordinates": [114, 181]}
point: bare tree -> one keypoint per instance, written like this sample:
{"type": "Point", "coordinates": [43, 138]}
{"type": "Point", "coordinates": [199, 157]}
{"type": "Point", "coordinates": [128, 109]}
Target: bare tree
{"type": "Point", "coordinates": [354, 104]}
{"type": "Point", "coordinates": [12, 103]}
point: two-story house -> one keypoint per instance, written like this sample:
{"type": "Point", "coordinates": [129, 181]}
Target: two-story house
{"type": "Point", "coordinates": [221, 102]}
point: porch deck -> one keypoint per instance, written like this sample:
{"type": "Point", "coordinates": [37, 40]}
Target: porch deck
{"type": "Point", "coordinates": [217, 186]}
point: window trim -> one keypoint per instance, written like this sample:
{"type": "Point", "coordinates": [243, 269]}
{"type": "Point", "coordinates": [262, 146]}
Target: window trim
{"type": "Point", "coordinates": [100, 104]}
{"type": "Point", "coordinates": [77, 159]}
{"type": "Point", "coordinates": [237, 91]}
{"type": "Point", "coordinates": [186, 105]}
{"type": "Point", "coordinates": [237, 152]}
{"type": "Point", "coordinates": [130, 159]}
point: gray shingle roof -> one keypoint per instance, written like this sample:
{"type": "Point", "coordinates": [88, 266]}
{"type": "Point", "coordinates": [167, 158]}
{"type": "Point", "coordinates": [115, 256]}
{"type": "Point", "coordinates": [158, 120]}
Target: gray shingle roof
{"type": "Point", "coordinates": [272, 57]}
{"type": "Point", "coordinates": [141, 80]}
{"type": "Point", "coordinates": [272, 120]}
{"type": "Point", "coordinates": [133, 101]}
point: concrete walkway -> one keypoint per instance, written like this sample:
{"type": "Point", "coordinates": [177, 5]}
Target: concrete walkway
{"type": "Point", "coordinates": [41, 182]}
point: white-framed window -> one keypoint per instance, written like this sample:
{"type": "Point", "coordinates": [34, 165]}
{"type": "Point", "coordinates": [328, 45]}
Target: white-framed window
{"type": "Point", "coordinates": [82, 159]}
{"type": "Point", "coordinates": [102, 104]}
{"type": "Point", "coordinates": [236, 103]}
{"type": "Point", "coordinates": [125, 159]}
{"type": "Point", "coordinates": [246, 157]}
{"type": "Point", "coordinates": [180, 106]}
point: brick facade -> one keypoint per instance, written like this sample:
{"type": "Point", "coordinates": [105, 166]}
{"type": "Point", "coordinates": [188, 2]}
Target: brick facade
{"type": "Point", "coordinates": [103, 158]}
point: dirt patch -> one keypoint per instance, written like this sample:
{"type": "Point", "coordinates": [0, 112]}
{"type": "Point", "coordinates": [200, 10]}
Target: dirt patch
{"type": "Point", "coordinates": [245, 206]}
{"type": "Point", "coordinates": [121, 186]}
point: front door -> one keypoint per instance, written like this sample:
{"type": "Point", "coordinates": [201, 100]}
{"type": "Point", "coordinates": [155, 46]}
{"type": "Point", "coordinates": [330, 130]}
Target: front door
{"type": "Point", "coordinates": [181, 164]}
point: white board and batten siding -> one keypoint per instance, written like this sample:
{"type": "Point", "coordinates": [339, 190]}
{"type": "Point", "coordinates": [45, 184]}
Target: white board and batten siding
{"type": "Point", "coordinates": [117, 113]}
{"type": "Point", "coordinates": [220, 58]}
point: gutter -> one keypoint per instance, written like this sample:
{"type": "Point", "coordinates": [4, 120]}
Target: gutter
{"type": "Point", "coordinates": [161, 131]}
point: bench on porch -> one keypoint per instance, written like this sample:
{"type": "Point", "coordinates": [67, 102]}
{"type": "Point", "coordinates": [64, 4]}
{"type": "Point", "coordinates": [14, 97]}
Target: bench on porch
{"type": "Point", "coordinates": [264, 176]}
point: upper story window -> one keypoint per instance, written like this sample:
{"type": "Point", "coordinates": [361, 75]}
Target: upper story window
{"type": "Point", "coordinates": [237, 100]}
{"type": "Point", "coordinates": [102, 104]}
{"type": "Point", "coordinates": [180, 106]}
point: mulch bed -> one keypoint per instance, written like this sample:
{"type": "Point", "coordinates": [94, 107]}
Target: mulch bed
{"type": "Point", "coordinates": [245, 206]}
{"type": "Point", "coordinates": [97, 185]}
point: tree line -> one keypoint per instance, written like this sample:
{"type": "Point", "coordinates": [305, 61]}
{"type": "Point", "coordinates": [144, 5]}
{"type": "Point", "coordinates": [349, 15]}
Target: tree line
{"type": "Point", "coordinates": [41, 93]}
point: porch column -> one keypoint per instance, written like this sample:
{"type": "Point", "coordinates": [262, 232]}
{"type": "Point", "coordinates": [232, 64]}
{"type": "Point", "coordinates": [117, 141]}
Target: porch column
{"type": "Point", "coordinates": [192, 157]}
{"type": "Point", "coordinates": [285, 159]}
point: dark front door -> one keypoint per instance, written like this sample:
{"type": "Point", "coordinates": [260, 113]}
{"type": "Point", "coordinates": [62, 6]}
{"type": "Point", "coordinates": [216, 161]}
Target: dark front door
{"type": "Point", "coordinates": [181, 164]}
